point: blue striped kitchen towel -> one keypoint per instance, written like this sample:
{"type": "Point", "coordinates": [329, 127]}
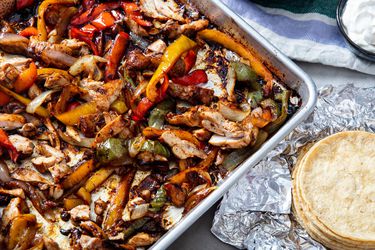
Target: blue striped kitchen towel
{"type": "Point", "coordinates": [303, 30]}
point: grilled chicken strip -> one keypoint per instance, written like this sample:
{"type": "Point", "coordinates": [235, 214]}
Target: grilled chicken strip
{"type": "Point", "coordinates": [215, 122]}
{"type": "Point", "coordinates": [181, 148]}
{"type": "Point", "coordinates": [208, 118]}
{"type": "Point", "coordinates": [188, 28]}
{"type": "Point", "coordinates": [11, 121]}
{"type": "Point", "coordinates": [162, 10]}
{"type": "Point", "coordinates": [192, 93]}
{"type": "Point", "coordinates": [22, 144]}
{"type": "Point", "coordinates": [14, 44]}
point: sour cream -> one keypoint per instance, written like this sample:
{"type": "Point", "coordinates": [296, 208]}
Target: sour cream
{"type": "Point", "coordinates": [359, 22]}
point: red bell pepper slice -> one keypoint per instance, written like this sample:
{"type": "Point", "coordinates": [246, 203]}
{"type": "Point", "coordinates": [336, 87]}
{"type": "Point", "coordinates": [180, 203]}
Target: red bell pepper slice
{"type": "Point", "coordinates": [189, 60]}
{"type": "Point", "coordinates": [21, 4]}
{"type": "Point", "coordinates": [115, 55]}
{"type": "Point", "coordinates": [89, 30]}
{"type": "Point", "coordinates": [142, 108]}
{"type": "Point", "coordinates": [145, 104]}
{"type": "Point", "coordinates": [196, 77]}
{"type": "Point", "coordinates": [4, 99]}
{"type": "Point", "coordinates": [29, 31]}
{"type": "Point", "coordinates": [93, 12]}
{"type": "Point", "coordinates": [5, 143]}
{"type": "Point", "coordinates": [85, 37]}
{"type": "Point", "coordinates": [132, 10]}
{"type": "Point", "coordinates": [104, 21]}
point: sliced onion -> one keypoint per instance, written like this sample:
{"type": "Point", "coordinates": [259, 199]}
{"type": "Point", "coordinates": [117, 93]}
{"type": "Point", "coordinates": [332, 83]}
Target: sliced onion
{"type": "Point", "coordinates": [38, 101]}
{"type": "Point", "coordinates": [231, 83]}
{"type": "Point", "coordinates": [84, 141]}
{"type": "Point", "coordinates": [88, 64]}
{"type": "Point", "coordinates": [139, 211]}
{"type": "Point", "coordinates": [4, 172]}
{"type": "Point", "coordinates": [141, 88]}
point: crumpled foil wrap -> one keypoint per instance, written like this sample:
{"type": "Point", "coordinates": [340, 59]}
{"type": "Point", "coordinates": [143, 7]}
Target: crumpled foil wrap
{"type": "Point", "coordinates": [256, 212]}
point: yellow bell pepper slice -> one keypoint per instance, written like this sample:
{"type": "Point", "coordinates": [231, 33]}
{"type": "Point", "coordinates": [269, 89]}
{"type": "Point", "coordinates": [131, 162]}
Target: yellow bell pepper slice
{"type": "Point", "coordinates": [22, 231]}
{"type": "Point", "coordinates": [119, 106]}
{"type": "Point", "coordinates": [169, 58]}
{"type": "Point", "coordinates": [231, 44]}
{"type": "Point", "coordinates": [118, 202]}
{"type": "Point", "coordinates": [72, 117]}
{"type": "Point", "coordinates": [25, 101]}
{"type": "Point", "coordinates": [79, 174]}
{"type": "Point", "coordinates": [70, 203]}
{"type": "Point", "coordinates": [41, 23]}
{"type": "Point", "coordinates": [93, 182]}
{"type": "Point", "coordinates": [50, 71]}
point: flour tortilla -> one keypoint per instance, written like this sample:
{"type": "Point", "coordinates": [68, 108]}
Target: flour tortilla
{"type": "Point", "coordinates": [315, 232]}
{"type": "Point", "coordinates": [323, 187]}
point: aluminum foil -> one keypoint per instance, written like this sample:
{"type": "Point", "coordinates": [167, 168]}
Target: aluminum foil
{"type": "Point", "coordinates": [256, 212]}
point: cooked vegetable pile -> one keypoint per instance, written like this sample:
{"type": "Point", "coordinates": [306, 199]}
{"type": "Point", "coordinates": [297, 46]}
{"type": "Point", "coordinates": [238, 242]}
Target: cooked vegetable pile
{"type": "Point", "coordinates": [118, 118]}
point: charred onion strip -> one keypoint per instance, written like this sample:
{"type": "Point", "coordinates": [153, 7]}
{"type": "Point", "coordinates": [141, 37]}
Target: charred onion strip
{"type": "Point", "coordinates": [197, 197]}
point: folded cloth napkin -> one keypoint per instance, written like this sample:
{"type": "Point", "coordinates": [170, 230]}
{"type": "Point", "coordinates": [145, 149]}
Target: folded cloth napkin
{"type": "Point", "coordinates": [303, 30]}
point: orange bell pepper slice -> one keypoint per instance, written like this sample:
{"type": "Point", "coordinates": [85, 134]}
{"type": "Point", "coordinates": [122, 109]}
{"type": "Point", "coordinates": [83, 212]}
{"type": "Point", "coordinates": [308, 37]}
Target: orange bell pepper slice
{"type": "Point", "coordinates": [26, 79]}
{"type": "Point", "coordinates": [151, 132]}
{"type": "Point", "coordinates": [181, 177]}
{"type": "Point", "coordinates": [170, 56]}
{"type": "Point", "coordinates": [103, 21]}
{"type": "Point", "coordinates": [72, 117]}
{"type": "Point", "coordinates": [263, 120]}
{"type": "Point", "coordinates": [29, 31]}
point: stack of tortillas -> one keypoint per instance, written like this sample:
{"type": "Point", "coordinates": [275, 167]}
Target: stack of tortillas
{"type": "Point", "coordinates": [334, 191]}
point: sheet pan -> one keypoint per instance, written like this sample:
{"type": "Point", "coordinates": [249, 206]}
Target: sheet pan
{"type": "Point", "coordinates": [280, 65]}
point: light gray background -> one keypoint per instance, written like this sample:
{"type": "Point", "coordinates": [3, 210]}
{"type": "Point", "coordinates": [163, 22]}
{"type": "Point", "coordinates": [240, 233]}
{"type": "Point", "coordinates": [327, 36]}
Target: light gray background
{"type": "Point", "coordinates": [199, 236]}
